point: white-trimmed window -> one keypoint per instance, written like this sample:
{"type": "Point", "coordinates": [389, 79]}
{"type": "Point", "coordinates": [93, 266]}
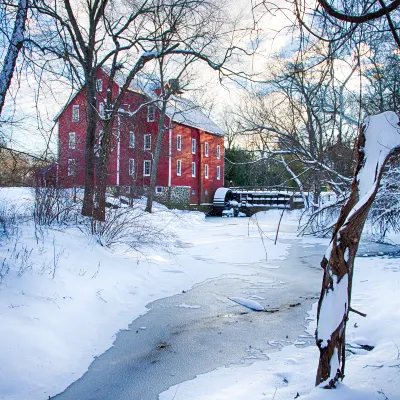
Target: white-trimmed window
{"type": "Point", "coordinates": [218, 151]}
{"type": "Point", "coordinates": [131, 167]}
{"type": "Point", "coordinates": [131, 140]}
{"type": "Point", "coordinates": [75, 113]}
{"type": "Point", "coordinates": [101, 109]}
{"type": "Point", "coordinates": [178, 167]}
{"type": "Point", "coordinates": [206, 171]}
{"type": "Point", "coordinates": [179, 142]}
{"type": "Point", "coordinates": [159, 189]}
{"type": "Point", "coordinates": [206, 149]}
{"type": "Point", "coordinates": [193, 169]}
{"type": "Point", "coordinates": [147, 142]}
{"type": "Point", "coordinates": [146, 168]}
{"type": "Point", "coordinates": [71, 166]}
{"type": "Point", "coordinates": [151, 113]}
{"type": "Point", "coordinates": [193, 146]}
{"type": "Point", "coordinates": [218, 172]}
{"type": "Point", "coordinates": [72, 140]}
{"type": "Point", "coordinates": [99, 85]}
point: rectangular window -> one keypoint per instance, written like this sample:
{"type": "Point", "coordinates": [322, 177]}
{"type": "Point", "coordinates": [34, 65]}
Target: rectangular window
{"type": "Point", "coordinates": [179, 167]}
{"type": "Point", "coordinates": [151, 113]}
{"type": "Point", "coordinates": [159, 189]}
{"type": "Point", "coordinates": [72, 140]}
{"type": "Point", "coordinates": [218, 172]}
{"type": "Point", "coordinates": [146, 168]}
{"type": "Point", "coordinates": [71, 166]}
{"type": "Point", "coordinates": [193, 169]}
{"type": "Point", "coordinates": [131, 167]}
{"type": "Point", "coordinates": [131, 140]}
{"type": "Point", "coordinates": [206, 171]}
{"type": "Point", "coordinates": [218, 151]}
{"type": "Point", "coordinates": [99, 85]}
{"type": "Point", "coordinates": [147, 142]}
{"type": "Point", "coordinates": [101, 109]}
{"type": "Point", "coordinates": [179, 142]}
{"type": "Point", "coordinates": [75, 113]}
{"type": "Point", "coordinates": [193, 146]}
{"type": "Point", "coordinates": [206, 149]}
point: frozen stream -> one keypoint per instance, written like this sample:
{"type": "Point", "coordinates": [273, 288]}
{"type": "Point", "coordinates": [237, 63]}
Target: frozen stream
{"type": "Point", "coordinates": [201, 329]}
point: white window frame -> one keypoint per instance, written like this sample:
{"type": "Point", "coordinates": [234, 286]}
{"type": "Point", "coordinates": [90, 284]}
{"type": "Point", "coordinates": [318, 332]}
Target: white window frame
{"type": "Point", "coordinates": [193, 170]}
{"type": "Point", "coordinates": [75, 113]}
{"type": "Point", "coordinates": [179, 142]}
{"type": "Point", "coordinates": [218, 173]}
{"type": "Point", "coordinates": [178, 168]}
{"type": "Point", "coordinates": [71, 166]}
{"type": "Point", "coordinates": [145, 147]}
{"type": "Point", "coordinates": [206, 171]}
{"type": "Point", "coordinates": [72, 140]}
{"type": "Point", "coordinates": [193, 146]}
{"type": "Point", "coordinates": [146, 162]}
{"type": "Point", "coordinates": [159, 189]}
{"type": "Point", "coordinates": [99, 85]}
{"type": "Point", "coordinates": [218, 151]}
{"type": "Point", "coordinates": [206, 149]}
{"type": "Point", "coordinates": [131, 139]}
{"type": "Point", "coordinates": [101, 109]}
{"type": "Point", "coordinates": [151, 113]}
{"type": "Point", "coordinates": [131, 167]}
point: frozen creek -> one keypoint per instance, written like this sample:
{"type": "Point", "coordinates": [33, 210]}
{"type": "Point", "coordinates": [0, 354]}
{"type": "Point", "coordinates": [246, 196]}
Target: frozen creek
{"type": "Point", "coordinates": [199, 330]}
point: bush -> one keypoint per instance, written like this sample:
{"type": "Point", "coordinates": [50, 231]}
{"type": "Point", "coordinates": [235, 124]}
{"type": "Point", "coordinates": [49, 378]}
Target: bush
{"type": "Point", "coordinates": [128, 225]}
{"type": "Point", "coordinates": [54, 205]}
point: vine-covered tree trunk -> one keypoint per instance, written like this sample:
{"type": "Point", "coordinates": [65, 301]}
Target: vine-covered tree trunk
{"type": "Point", "coordinates": [378, 140]}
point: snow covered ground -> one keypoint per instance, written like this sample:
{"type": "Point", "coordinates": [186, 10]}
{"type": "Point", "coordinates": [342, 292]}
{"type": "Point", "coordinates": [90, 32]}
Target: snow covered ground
{"type": "Point", "coordinates": [65, 297]}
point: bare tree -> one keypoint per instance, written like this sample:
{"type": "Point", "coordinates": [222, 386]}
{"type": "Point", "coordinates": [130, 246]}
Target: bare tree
{"type": "Point", "coordinates": [15, 44]}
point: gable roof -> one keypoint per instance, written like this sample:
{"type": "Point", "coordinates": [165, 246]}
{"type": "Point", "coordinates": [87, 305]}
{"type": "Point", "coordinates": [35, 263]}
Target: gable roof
{"type": "Point", "coordinates": [179, 110]}
{"type": "Point", "coordinates": [185, 112]}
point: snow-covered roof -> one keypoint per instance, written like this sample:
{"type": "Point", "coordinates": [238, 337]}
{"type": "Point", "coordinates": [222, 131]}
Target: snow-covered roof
{"type": "Point", "coordinates": [185, 112]}
{"type": "Point", "coordinates": [179, 110]}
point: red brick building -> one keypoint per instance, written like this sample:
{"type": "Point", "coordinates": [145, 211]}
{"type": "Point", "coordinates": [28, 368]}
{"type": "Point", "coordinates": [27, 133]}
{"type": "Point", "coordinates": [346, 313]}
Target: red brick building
{"type": "Point", "coordinates": [192, 152]}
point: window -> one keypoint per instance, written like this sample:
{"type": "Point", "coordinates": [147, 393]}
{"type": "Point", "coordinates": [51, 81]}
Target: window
{"type": "Point", "coordinates": [71, 166]}
{"type": "Point", "coordinates": [147, 142]}
{"type": "Point", "coordinates": [218, 151]}
{"type": "Point", "coordinates": [131, 140]}
{"type": "Point", "coordinates": [179, 142]}
{"type": "Point", "coordinates": [101, 109]}
{"type": "Point", "coordinates": [218, 172]}
{"type": "Point", "coordinates": [159, 189]}
{"type": "Point", "coordinates": [179, 167]}
{"type": "Point", "coordinates": [146, 167]}
{"type": "Point", "coordinates": [206, 149]}
{"type": "Point", "coordinates": [193, 191]}
{"type": "Point", "coordinates": [193, 146]}
{"type": "Point", "coordinates": [72, 140]}
{"type": "Point", "coordinates": [99, 85]}
{"type": "Point", "coordinates": [206, 171]}
{"type": "Point", "coordinates": [75, 113]}
{"type": "Point", "coordinates": [131, 167]}
{"type": "Point", "coordinates": [193, 169]}
{"type": "Point", "coordinates": [150, 113]}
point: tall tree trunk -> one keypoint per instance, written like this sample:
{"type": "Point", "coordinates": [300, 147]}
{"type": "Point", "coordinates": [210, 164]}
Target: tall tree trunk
{"type": "Point", "coordinates": [156, 157]}
{"type": "Point", "coordinates": [378, 140]}
{"type": "Point", "coordinates": [16, 42]}
{"type": "Point", "coordinates": [102, 172]}
{"type": "Point", "coordinates": [88, 199]}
